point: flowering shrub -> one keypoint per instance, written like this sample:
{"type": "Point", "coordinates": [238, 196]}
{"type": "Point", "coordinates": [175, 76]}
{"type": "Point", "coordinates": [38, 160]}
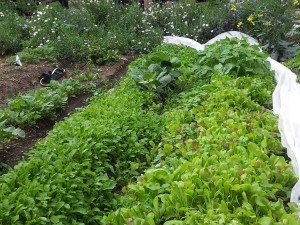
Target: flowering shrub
{"type": "Point", "coordinates": [268, 20]}
{"type": "Point", "coordinates": [186, 19]}
{"type": "Point", "coordinates": [102, 30]}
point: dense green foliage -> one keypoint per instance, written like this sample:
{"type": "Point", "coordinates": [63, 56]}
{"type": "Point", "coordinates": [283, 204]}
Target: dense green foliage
{"type": "Point", "coordinates": [36, 55]}
{"type": "Point", "coordinates": [38, 104]}
{"type": "Point", "coordinates": [294, 64]}
{"type": "Point", "coordinates": [235, 57]}
{"type": "Point", "coordinates": [268, 21]}
{"type": "Point", "coordinates": [70, 176]}
{"type": "Point", "coordinates": [103, 30]}
{"type": "Point", "coordinates": [218, 162]}
{"type": "Point", "coordinates": [213, 148]}
{"type": "Point", "coordinates": [157, 72]}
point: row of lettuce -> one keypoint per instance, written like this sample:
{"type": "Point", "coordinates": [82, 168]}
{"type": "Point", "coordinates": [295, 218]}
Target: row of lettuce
{"type": "Point", "coordinates": [196, 126]}
{"type": "Point", "coordinates": [25, 110]}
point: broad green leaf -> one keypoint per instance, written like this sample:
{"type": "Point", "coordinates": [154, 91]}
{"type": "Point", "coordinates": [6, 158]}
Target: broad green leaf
{"type": "Point", "coordinates": [81, 210]}
{"type": "Point", "coordinates": [174, 222]}
{"type": "Point", "coordinates": [266, 221]}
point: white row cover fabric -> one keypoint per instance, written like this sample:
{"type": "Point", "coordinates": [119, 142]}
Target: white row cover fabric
{"type": "Point", "coordinates": [286, 101]}
{"type": "Point", "coordinates": [233, 34]}
{"type": "Point", "coordinates": [183, 41]}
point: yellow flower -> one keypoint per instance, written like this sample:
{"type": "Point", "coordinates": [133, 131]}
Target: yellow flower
{"type": "Point", "coordinates": [250, 19]}
{"type": "Point", "coordinates": [233, 8]}
{"type": "Point", "coordinates": [296, 2]}
{"type": "Point", "coordinates": [239, 24]}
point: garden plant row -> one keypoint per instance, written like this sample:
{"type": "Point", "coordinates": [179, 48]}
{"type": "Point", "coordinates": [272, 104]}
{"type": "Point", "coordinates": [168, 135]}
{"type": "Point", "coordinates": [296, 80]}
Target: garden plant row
{"type": "Point", "coordinates": [196, 126]}
{"type": "Point", "coordinates": [220, 158]}
{"type": "Point", "coordinates": [25, 110]}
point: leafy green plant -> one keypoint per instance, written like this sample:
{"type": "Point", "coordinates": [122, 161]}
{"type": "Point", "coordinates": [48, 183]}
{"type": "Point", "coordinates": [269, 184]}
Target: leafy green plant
{"type": "Point", "coordinates": [24, 8]}
{"type": "Point", "coordinates": [11, 33]}
{"type": "Point", "coordinates": [268, 21]}
{"type": "Point", "coordinates": [215, 156]}
{"type": "Point", "coordinates": [294, 64]}
{"type": "Point", "coordinates": [7, 132]}
{"type": "Point", "coordinates": [84, 159]}
{"type": "Point", "coordinates": [157, 73]}
{"type": "Point", "coordinates": [213, 152]}
{"type": "Point", "coordinates": [232, 56]}
{"type": "Point", "coordinates": [36, 55]}
{"type": "Point", "coordinates": [35, 105]}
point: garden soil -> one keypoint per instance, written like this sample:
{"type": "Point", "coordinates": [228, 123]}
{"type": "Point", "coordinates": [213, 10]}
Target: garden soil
{"type": "Point", "coordinates": [19, 80]}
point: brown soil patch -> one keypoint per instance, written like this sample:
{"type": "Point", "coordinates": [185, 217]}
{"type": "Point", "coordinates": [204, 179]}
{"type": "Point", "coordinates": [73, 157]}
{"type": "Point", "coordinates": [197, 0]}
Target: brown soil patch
{"type": "Point", "coordinates": [18, 80]}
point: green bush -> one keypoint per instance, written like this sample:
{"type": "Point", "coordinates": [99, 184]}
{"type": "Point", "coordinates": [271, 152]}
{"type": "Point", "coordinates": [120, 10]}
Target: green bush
{"type": "Point", "coordinates": [294, 63]}
{"type": "Point", "coordinates": [269, 21]}
{"type": "Point", "coordinates": [11, 33]}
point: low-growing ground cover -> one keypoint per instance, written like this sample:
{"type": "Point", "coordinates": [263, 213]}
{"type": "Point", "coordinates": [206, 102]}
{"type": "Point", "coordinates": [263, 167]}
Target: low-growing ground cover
{"type": "Point", "coordinates": [213, 146]}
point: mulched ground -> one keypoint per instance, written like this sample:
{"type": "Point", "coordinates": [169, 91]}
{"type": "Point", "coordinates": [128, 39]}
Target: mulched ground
{"type": "Point", "coordinates": [19, 80]}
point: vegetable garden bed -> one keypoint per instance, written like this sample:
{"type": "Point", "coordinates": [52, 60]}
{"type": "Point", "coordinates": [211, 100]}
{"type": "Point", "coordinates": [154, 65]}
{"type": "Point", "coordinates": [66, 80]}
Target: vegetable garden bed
{"type": "Point", "coordinates": [185, 138]}
{"type": "Point", "coordinates": [37, 128]}
{"type": "Point", "coordinates": [206, 143]}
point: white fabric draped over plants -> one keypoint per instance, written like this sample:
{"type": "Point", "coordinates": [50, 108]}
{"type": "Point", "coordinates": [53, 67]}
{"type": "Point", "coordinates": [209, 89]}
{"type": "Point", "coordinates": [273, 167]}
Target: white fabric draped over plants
{"type": "Point", "coordinates": [286, 100]}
